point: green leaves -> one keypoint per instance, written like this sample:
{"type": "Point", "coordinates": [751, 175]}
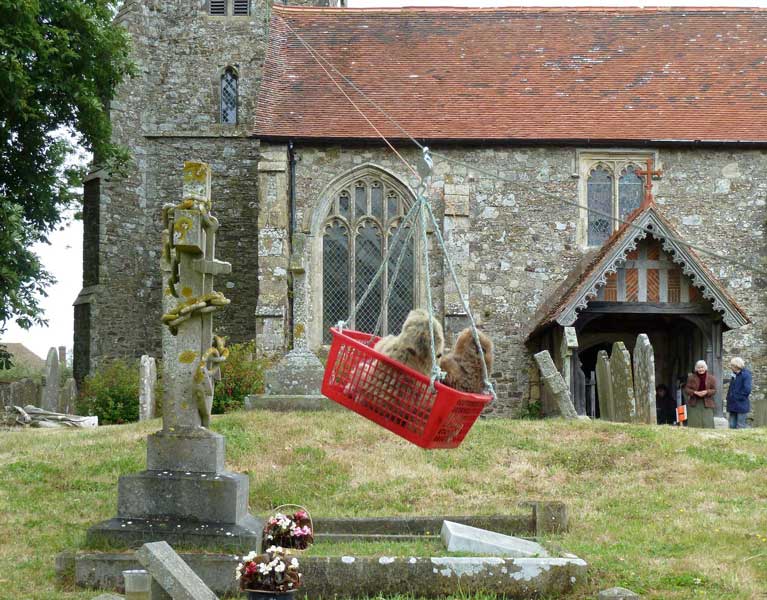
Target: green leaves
{"type": "Point", "coordinates": [60, 63]}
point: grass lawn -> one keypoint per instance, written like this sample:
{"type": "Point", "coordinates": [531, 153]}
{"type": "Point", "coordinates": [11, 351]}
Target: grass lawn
{"type": "Point", "coordinates": [666, 512]}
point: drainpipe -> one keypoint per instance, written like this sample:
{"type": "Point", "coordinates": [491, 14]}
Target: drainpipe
{"type": "Point", "coordinates": [291, 229]}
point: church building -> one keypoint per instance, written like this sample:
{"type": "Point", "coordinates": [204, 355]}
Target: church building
{"type": "Point", "coordinates": [597, 168]}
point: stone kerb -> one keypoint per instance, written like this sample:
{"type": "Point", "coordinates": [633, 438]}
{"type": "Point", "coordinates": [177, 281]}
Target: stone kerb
{"type": "Point", "coordinates": [605, 387]}
{"type": "Point", "coordinates": [644, 380]}
{"type": "Point", "coordinates": [622, 383]}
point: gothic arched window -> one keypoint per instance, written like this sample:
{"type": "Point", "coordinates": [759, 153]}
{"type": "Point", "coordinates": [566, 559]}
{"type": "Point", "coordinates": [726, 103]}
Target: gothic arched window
{"type": "Point", "coordinates": [229, 81]}
{"type": "Point", "coordinates": [600, 203]}
{"type": "Point", "coordinates": [358, 232]}
{"type": "Point", "coordinates": [612, 191]}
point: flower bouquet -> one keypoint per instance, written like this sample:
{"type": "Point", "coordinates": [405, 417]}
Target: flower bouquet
{"type": "Point", "coordinates": [274, 574]}
{"type": "Point", "coordinates": [289, 530]}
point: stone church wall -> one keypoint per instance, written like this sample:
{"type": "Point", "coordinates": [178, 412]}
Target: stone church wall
{"type": "Point", "coordinates": [168, 113]}
{"type": "Point", "coordinates": [515, 247]}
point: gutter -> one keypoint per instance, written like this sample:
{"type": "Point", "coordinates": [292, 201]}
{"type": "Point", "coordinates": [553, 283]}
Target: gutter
{"type": "Point", "coordinates": [291, 229]}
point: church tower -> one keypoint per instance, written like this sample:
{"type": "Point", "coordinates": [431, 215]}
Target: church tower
{"type": "Point", "coordinates": [197, 72]}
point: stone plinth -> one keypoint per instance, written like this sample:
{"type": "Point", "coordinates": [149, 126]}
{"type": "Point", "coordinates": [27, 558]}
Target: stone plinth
{"type": "Point", "coordinates": [298, 373]}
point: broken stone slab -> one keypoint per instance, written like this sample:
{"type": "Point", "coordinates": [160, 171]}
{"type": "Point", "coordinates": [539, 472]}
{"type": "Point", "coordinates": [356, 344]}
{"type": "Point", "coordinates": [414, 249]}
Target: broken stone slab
{"type": "Point", "coordinates": [172, 574]}
{"type": "Point", "coordinates": [50, 399]}
{"type": "Point", "coordinates": [147, 403]}
{"type": "Point", "coordinates": [555, 385]}
{"type": "Point", "coordinates": [463, 538]}
{"type": "Point", "coordinates": [109, 597]}
{"type": "Point", "coordinates": [286, 402]}
{"type": "Point", "coordinates": [617, 593]}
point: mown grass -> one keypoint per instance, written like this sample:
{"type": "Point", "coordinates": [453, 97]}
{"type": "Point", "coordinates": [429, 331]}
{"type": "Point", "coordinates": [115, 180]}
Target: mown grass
{"type": "Point", "coordinates": [666, 512]}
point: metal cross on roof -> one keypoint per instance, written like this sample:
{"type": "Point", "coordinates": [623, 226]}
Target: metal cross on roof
{"type": "Point", "coordinates": [648, 173]}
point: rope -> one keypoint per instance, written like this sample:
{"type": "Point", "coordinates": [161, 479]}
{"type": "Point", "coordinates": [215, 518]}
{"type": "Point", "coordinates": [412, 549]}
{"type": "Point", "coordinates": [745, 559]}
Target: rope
{"type": "Point", "coordinates": [403, 251]}
{"type": "Point", "coordinates": [616, 219]}
{"type": "Point", "coordinates": [475, 333]}
{"type": "Point", "coordinates": [436, 372]}
{"type": "Point", "coordinates": [408, 217]}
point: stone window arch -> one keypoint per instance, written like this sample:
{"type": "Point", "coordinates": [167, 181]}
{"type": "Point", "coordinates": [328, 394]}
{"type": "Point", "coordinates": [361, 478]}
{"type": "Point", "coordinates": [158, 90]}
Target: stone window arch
{"type": "Point", "coordinates": [229, 92]}
{"type": "Point", "coordinates": [362, 214]}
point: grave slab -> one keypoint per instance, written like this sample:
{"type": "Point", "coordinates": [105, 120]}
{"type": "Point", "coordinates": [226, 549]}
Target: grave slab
{"type": "Point", "coordinates": [617, 593]}
{"type": "Point", "coordinates": [172, 574]}
{"type": "Point", "coordinates": [463, 538]}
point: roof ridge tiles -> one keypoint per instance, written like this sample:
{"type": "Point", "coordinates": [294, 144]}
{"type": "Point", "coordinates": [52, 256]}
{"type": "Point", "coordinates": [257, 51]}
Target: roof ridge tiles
{"type": "Point", "coordinates": [520, 9]}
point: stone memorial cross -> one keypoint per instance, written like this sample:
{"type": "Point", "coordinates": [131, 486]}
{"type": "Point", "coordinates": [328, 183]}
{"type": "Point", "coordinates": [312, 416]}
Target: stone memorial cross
{"type": "Point", "coordinates": [189, 247]}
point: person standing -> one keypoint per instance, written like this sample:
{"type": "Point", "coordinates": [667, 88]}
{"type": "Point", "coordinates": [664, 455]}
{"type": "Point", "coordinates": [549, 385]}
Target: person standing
{"type": "Point", "coordinates": [665, 405]}
{"type": "Point", "coordinates": [738, 403]}
{"type": "Point", "coordinates": [700, 391]}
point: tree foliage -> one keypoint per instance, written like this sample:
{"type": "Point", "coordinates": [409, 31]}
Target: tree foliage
{"type": "Point", "coordinates": [60, 62]}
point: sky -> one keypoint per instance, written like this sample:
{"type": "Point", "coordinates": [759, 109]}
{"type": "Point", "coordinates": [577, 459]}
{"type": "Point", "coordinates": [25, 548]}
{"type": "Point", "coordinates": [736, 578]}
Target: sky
{"type": "Point", "coordinates": [63, 257]}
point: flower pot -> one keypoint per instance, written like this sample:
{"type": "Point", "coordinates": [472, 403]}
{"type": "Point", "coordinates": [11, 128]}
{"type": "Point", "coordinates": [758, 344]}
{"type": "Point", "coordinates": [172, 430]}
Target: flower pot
{"type": "Point", "coordinates": [264, 595]}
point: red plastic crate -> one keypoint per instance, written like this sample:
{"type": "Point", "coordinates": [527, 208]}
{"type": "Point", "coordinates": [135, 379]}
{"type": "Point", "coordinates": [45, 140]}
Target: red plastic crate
{"type": "Point", "coordinates": [395, 396]}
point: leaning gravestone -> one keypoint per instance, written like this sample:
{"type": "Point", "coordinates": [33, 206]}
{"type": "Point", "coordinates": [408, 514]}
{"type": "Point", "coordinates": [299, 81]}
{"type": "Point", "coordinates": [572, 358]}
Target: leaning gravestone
{"type": "Point", "coordinates": [50, 399]}
{"type": "Point", "coordinates": [555, 385]}
{"type": "Point", "coordinates": [644, 380]}
{"type": "Point", "coordinates": [185, 496]}
{"type": "Point", "coordinates": [147, 404]}
{"type": "Point", "coordinates": [605, 387]}
{"type": "Point", "coordinates": [622, 384]}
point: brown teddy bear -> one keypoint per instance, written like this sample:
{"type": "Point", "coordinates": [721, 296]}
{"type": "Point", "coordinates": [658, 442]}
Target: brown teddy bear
{"type": "Point", "coordinates": [412, 347]}
{"type": "Point", "coordinates": [463, 365]}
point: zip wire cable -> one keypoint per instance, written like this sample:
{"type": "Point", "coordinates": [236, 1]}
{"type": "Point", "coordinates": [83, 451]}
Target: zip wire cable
{"type": "Point", "coordinates": [319, 59]}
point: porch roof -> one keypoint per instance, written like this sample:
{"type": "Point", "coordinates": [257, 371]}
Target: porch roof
{"type": "Point", "coordinates": [591, 274]}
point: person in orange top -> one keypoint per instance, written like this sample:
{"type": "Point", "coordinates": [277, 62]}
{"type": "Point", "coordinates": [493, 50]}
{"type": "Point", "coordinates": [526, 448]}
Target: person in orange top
{"type": "Point", "coordinates": [700, 391]}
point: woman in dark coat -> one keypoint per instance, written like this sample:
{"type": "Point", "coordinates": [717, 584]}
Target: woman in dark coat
{"type": "Point", "coordinates": [700, 391]}
{"type": "Point", "coordinates": [738, 403]}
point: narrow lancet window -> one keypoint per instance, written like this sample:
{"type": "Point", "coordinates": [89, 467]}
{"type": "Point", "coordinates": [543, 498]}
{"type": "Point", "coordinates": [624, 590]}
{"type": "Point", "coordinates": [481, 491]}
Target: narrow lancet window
{"type": "Point", "coordinates": [229, 83]}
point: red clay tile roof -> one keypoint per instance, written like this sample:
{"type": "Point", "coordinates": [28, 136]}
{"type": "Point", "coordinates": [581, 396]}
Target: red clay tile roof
{"type": "Point", "coordinates": [586, 74]}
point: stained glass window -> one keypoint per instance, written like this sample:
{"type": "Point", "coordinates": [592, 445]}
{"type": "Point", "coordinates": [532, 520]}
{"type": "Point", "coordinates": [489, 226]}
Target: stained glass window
{"type": "Point", "coordinates": [229, 97]}
{"type": "Point", "coordinates": [630, 191]}
{"type": "Point", "coordinates": [600, 200]}
{"type": "Point", "coordinates": [357, 234]}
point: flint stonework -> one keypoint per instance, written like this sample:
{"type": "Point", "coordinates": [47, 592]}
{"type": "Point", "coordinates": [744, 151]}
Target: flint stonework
{"type": "Point", "coordinates": [555, 385]}
{"type": "Point", "coordinates": [622, 384]}
{"type": "Point", "coordinates": [644, 380]}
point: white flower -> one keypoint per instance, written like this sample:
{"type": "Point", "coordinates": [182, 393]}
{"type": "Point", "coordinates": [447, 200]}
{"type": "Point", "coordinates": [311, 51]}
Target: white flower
{"type": "Point", "coordinates": [271, 549]}
{"type": "Point", "coordinates": [263, 568]}
{"type": "Point", "coordinates": [290, 584]}
{"type": "Point", "coordinates": [250, 555]}
{"type": "Point", "coordinates": [279, 568]}
{"type": "Point", "coordinates": [294, 563]}
{"type": "Point", "coordinates": [237, 577]}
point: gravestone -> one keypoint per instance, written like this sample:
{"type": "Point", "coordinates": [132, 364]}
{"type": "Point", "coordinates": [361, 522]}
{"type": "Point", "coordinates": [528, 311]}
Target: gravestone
{"type": "Point", "coordinates": [605, 387]}
{"type": "Point", "coordinates": [171, 574]}
{"type": "Point", "coordinates": [50, 400]}
{"type": "Point", "coordinates": [295, 381]}
{"type": "Point", "coordinates": [644, 380]}
{"type": "Point", "coordinates": [622, 383]}
{"type": "Point", "coordinates": [185, 496]}
{"type": "Point", "coordinates": [68, 397]}
{"type": "Point", "coordinates": [147, 403]}
{"type": "Point", "coordinates": [555, 385]}
{"type": "Point", "coordinates": [63, 356]}
{"type": "Point", "coordinates": [464, 538]}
